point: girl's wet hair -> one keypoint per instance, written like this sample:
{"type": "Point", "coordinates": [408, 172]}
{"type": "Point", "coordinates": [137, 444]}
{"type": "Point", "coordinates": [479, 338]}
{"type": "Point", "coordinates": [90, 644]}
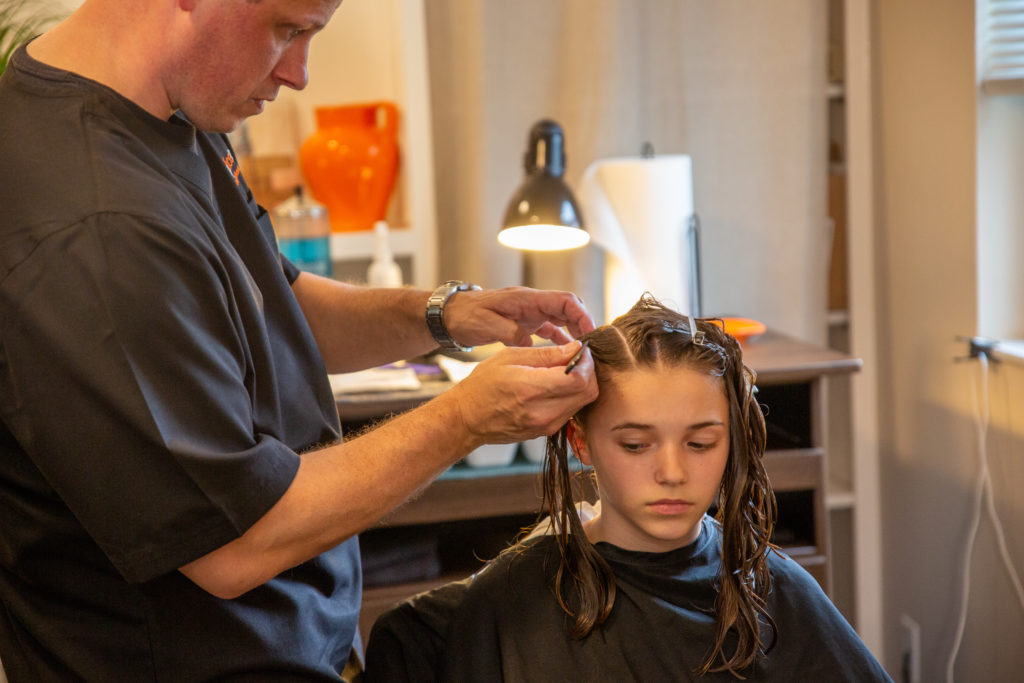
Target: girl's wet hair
{"type": "Point", "coordinates": [649, 336]}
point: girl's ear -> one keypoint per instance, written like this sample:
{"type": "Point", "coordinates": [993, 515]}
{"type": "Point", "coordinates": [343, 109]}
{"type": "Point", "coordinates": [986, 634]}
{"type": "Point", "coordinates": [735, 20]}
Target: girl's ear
{"type": "Point", "coordinates": [577, 439]}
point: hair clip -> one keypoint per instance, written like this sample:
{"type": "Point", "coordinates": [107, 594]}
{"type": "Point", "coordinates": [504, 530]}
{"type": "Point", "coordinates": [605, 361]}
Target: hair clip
{"type": "Point", "coordinates": [696, 335]}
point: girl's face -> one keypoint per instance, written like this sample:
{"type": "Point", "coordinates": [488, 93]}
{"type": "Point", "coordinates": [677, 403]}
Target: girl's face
{"type": "Point", "coordinates": [658, 440]}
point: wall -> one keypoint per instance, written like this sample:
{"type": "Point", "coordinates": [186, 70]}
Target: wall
{"type": "Point", "coordinates": [924, 88]}
{"type": "Point", "coordinates": [371, 50]}
{"type": "Point", "coordinates": [355, 58]}
{"type": "Point", "coordinates": [738, 86]}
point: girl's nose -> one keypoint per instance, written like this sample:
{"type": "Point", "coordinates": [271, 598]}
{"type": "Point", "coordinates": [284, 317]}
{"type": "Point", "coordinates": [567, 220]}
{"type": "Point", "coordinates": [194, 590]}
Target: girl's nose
{"type": "Point", "coordinates": [671, 466]}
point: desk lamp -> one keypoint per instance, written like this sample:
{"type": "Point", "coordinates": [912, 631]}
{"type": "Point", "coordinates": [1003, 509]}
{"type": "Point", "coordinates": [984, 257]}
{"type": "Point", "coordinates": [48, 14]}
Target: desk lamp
{"type": "Point", "coordinates": [542, 214]}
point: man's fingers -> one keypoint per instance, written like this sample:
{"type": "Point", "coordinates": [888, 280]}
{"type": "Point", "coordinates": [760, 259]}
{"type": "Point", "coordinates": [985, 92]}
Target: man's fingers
{"type": "Point", "coordinates": [521, 393]}
{"type": "Point", "coordinates": [512, 314]}
{"type": "Point", "coordinates": [552, 332]}
{"type": "Point", "coordinates": [541, 356]}
{"type": "Point", "coordinates": [576, 316]}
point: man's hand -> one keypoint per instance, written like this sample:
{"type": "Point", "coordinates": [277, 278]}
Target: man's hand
{"type": "Point", "coordinates": [511, 315]}
{"type": "Point", "coordinates": [340, 490]}
{"type": "Point", "coordinates": [521, 393]}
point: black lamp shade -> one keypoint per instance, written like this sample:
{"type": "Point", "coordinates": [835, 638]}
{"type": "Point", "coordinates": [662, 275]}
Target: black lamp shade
{"type": "Point", "coordinates": [543, 215]}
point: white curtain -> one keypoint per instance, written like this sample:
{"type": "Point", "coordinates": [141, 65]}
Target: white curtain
{"type": "Point", "coordinates": [737, 85]}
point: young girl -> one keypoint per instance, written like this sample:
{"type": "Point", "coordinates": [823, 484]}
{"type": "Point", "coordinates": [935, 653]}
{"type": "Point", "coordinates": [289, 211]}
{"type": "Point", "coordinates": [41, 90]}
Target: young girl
{"type": "Point", "coordinates": [651, 588]}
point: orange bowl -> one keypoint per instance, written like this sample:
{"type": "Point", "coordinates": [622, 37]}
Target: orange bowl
{"type": "Point", "coordinates": [743, 328]}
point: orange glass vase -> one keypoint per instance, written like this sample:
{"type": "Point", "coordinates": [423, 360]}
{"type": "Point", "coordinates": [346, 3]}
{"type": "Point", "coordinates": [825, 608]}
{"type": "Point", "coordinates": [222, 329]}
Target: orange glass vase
{"type": "Point", "coordinates": [351, 162]}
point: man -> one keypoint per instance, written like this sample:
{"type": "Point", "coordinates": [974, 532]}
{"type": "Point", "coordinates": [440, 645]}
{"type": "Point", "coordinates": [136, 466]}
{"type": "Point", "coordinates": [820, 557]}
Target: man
{"type": "Point", "coordinates": [174, 500]}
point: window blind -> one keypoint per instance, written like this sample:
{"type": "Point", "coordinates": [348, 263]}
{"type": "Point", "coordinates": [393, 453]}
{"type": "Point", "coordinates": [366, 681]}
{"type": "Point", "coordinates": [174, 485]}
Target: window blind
{"type": "Point", "coordinates": [1000, 46]}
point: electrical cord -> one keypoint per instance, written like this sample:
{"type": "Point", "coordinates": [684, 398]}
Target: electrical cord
{"type": "Point", "coordinates": [982, 493]}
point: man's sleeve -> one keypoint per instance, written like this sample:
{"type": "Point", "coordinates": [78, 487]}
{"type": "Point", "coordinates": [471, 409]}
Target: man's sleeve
{"type": "Point", "coordinates": [125, 376]}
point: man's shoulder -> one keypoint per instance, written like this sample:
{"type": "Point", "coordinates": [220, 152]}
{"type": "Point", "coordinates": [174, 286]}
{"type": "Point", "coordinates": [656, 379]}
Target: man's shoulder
{"type": "Point", "coordinates": [76, 147]}
{"type": "Point", "coordinates": [69, 161]}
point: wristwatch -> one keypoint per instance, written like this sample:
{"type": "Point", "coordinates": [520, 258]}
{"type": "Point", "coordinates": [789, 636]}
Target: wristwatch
{"type": "Point", "coordinates": [435, 313]}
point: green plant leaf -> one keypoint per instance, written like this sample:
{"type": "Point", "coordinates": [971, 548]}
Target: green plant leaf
{"type": "Point", "coordinates": [21, 20]}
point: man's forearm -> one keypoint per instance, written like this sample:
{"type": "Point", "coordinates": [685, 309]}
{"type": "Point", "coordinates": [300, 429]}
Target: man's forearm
{"type": "Point", "coordinates": [338, 492]}
{"type": "Point", "coordinates": [341, 490]}
{"type": "Point", "coordinates": [358, 327]}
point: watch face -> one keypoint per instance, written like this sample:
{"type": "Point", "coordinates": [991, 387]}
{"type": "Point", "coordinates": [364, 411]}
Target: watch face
{"type": "Point", "coordinates": [442, 293]}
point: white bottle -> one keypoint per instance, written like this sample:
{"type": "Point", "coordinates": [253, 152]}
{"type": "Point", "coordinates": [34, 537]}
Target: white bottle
{"type": "Point", "coordinates": [383, 272]}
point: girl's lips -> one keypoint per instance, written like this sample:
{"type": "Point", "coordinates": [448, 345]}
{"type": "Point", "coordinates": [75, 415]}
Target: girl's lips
{"type": "Point", "coordinates": [670, 506]}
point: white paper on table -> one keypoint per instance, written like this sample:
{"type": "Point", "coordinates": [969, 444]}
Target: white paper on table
{"type": "Point", "coordinates": [457, 370]}
{"type": "Point", "coordinates": [375, 379]}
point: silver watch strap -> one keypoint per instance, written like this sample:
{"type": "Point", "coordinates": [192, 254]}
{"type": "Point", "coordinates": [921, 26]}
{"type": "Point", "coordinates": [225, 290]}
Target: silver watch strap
{"type": "Point", "coordinates": [435, 313]}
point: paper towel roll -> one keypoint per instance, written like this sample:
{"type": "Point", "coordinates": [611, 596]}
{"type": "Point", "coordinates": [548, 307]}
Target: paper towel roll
{"type": "Point", "coordinates": [638, 210]}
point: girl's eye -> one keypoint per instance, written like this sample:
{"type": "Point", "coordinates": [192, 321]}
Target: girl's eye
{"type": "Point", "coordinates": [633, 447]}
{"type": "Point", "coordinates": [699, 446]}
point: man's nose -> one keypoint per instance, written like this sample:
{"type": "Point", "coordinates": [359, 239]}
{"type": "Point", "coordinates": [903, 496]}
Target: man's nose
{"type": "Point", "coordinates": [291, 69]}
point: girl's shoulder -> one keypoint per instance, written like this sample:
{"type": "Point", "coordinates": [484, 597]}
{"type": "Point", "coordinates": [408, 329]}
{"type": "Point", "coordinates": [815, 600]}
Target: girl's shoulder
{"type": "Point", "coordinates": [796, 595]}
{"type": "Point", "coordinates": [410, 641]}
{"type": "Point", "coordinates": [813, 636]}
{"type": "Point", "coordinates": [516, 571]}
{"type": "Point", "coordinates": [789, 575]}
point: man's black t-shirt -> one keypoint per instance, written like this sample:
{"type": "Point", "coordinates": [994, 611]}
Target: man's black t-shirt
{"type": "Point", "coordinates": [157, 379]}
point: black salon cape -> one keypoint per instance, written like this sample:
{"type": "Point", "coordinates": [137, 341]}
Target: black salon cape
{"type": "Point", "coordinates": [157, 379]}
{"type": "Point", "coordinates": [505, 625]}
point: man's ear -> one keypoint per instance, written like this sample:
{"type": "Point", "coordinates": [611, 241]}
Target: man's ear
{"type": "Point", "coordinates": [578, 440]}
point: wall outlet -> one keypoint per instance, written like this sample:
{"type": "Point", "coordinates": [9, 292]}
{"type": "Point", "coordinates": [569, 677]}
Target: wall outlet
{"type": "Point", "coordinates": [910, 657]}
